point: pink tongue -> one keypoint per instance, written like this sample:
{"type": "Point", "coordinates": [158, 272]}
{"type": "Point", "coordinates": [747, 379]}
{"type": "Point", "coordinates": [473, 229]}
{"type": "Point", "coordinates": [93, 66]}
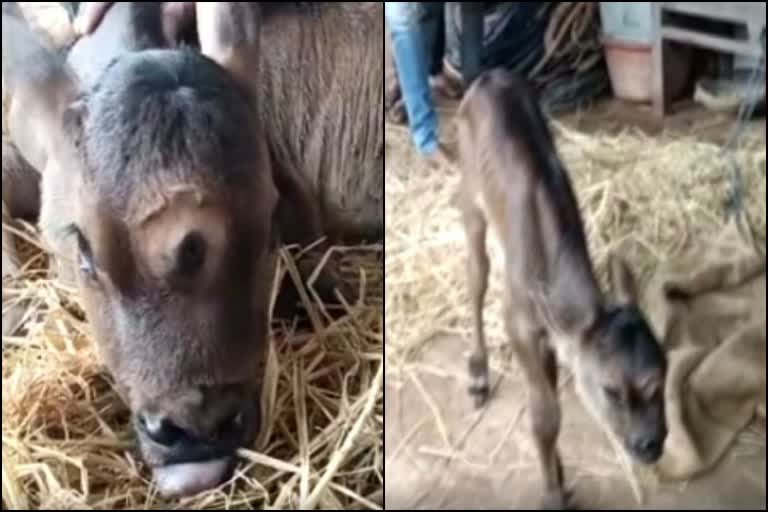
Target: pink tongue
{"type": "Point", "coordinates": [191, 478]}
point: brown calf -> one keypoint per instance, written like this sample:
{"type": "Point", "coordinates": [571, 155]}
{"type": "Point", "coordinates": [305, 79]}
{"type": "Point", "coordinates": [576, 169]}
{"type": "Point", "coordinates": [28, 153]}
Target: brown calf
{"type": "Point", "coordinates": [513, 181]}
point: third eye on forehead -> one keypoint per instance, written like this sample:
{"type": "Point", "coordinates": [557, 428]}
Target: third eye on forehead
{"type": "Point", "coordinates": [190, 254]}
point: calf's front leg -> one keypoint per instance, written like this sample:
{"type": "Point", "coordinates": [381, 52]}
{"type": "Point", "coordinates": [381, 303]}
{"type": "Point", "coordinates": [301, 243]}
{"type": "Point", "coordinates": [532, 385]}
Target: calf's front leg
{"type": "Point", "coordinates": [478, 266]}
{"type": "Point", "coordinates": [539, 366]}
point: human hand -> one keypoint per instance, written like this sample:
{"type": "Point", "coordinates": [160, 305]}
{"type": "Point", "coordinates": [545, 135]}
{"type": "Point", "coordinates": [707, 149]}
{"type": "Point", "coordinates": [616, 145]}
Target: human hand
{"type": "Point", "coordinates": [177, 18]}
{"type": "Point", "coordinates": [90, 16]}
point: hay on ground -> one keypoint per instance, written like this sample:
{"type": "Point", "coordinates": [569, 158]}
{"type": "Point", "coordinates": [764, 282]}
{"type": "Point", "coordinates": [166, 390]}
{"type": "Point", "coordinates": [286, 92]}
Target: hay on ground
{"type": "Point", "coordinates": [66, 438]}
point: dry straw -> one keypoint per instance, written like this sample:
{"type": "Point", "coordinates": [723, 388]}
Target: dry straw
{"type": "Point", "coordinates": [66, 440]}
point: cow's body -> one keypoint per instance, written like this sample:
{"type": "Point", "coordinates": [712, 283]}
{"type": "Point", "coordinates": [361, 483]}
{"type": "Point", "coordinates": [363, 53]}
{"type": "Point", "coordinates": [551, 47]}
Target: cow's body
{"type": "Point", "coordinates": [338, 150]}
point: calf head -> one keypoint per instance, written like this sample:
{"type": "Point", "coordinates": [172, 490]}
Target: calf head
{"type": "Point", "coordinates": [621, 370]}
{"type": "Point", "coordinates": [157, 188]}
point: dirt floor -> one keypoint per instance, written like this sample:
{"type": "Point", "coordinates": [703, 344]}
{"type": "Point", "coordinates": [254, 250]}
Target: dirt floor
{"type": "Point", "coordinates": [494, 466]}
{"type": "Point", "coordinates": [442, 454]}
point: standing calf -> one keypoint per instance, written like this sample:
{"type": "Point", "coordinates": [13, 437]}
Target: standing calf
{"type": "Point", "coordinates": [513, 180]}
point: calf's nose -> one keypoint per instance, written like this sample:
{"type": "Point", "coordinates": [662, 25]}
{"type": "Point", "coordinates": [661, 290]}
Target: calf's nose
{"type": "Point", "coordinates": [648, 449]}
{"type": "Point", "coordinates": [195, 462]}
{"type": "Point", "coordinates": [165, 432]}
{"type": "Point", "coordinates": [162, 431]}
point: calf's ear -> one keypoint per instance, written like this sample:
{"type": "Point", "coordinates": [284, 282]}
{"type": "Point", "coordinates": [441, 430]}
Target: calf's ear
{"type": "Point", "coordinates": [623, 281]}
{"type": "Point", "coordinates": [229, 34]}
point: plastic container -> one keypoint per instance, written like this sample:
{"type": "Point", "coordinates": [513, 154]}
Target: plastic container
{"type": "Point", "coordinates": [627, 21]}
{"type": "Point", "coordinates": [630, 67]}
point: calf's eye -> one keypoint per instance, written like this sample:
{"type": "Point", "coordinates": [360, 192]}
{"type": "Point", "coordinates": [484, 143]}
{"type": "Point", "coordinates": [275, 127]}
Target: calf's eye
{"type": "Point", "coordinates": [86, 266]}
{"type": "Point", "coordinates": [85, 257]}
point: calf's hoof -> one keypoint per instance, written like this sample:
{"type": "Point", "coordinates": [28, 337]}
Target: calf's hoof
{"type": "Point", "coordinates": [479, 389]}
{"type": "Point", "coordinates": [558, 500]}
{"type": "Point", "coordinates": [479, 396]}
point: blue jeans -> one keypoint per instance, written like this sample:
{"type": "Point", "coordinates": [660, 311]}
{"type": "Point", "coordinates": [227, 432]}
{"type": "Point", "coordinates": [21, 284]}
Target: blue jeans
{"type": "Point", "coordinates": [412, 59]}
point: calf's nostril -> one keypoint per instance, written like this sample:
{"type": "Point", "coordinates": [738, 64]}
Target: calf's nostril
{"type": "Point", "coordinates": [648, 446]}
{"type": "Point", "coordinates": [232, 426]}
{"type": "Point", "coordinates": [162, 431]}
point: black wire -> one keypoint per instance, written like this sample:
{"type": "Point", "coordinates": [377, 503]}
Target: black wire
{"type": "Point", "coordinates": [735, 202]}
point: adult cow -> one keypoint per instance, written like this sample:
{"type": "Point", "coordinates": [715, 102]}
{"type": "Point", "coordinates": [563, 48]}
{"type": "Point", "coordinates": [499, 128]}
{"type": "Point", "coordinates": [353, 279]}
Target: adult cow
{"type": "Point", "coordinates": [168, 178]}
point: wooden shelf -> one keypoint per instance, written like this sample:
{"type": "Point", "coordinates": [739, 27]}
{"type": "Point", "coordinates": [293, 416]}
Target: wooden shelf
{"type": "Point", "coordinates": [750, 15]}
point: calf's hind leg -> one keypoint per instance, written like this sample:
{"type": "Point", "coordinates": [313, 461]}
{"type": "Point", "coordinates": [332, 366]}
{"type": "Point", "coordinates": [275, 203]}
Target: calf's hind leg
{"type": "Point", "coordinates": [478, 266]}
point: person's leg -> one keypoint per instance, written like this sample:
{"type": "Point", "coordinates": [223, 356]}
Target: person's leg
{"type": "Point", "coordinates": [434, 27]}
{"type": "Point", "coordinates": [471, 40]}
{"type": "Point", "coordinates": [433, 30]}
{"type": "Point", "coordinates": [412, 63]}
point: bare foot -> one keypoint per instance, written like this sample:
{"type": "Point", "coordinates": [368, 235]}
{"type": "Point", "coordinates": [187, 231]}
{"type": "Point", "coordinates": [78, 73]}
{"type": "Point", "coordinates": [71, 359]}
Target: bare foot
{"type": "Point", "coordinates": [396, 114]}
{"type": "Point", "coordinates": [445, 87]}
{"type": "Point", "coordinates": [443, 157]}
{"type": "Point", "coordinates": [440, 85]}
{"type": "Point", "coordinates": [392, 94]}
